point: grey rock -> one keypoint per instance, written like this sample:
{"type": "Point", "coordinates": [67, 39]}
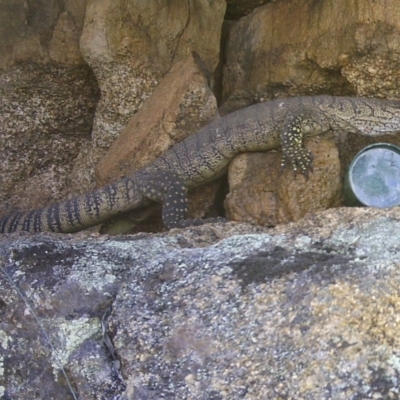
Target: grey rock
{"type": "Point", "coordinates": [224, 311]}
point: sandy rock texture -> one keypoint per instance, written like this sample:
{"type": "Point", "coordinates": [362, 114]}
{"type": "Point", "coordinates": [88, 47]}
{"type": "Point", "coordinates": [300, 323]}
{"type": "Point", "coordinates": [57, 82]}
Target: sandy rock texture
{"type": "Point", "coordinates": [308, 310]}
{"type": "Point", "coordinates": [263, 194]}
{"type": "Point", "coordinates": [124, 47]}
{"type": "Point", "coordinates": [179, 106]}
{"type": "Point", "coordinates": [41, 32]}
{"type": "Point", "coordinates": [48, 100]}
{"type": "Point", "coordinates": [42, 131]}
{"type": "Point", "coordinates": [74, 75]}
{"type": "Point", "coordinates": [130, 46]}
{"type": "Point", "coordinates": [298, 47]}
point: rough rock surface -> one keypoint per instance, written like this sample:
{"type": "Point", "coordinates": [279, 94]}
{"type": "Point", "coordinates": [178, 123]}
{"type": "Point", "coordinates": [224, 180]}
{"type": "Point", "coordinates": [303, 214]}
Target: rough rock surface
{"type": "Point", "coordinates": [40, 31]}
{"type": "Point", "coordinates": [179, 106]}
{"type": "Point", "coordinates": [131, 45]}
{"type": "Point", "coordinates": [238, 8]}
{"type": "Point", "coordinates": [298, 47]}
{"type": "Point", "coordinates": [308, 310]}
{"type": "Point", "coordinates": [46, 117]}
{"type": "Point", "coordinates": [260, 193]}
{"type": "Point", "coordinates": [280, 48]}
{"type": "Point", "coordinates": [128, 45]}
{"type": "Point", "coordinates": [48, 98]}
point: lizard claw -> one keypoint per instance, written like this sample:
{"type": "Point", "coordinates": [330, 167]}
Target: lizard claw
{"type": "Point", "coordinates": [304, 162]}
{"type": "Point", "coordinates": [301, 160]}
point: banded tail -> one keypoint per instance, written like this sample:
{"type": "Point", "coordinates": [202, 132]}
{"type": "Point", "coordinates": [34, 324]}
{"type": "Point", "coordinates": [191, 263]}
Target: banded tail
{"type": "Point", "coordinates": [79, 212]}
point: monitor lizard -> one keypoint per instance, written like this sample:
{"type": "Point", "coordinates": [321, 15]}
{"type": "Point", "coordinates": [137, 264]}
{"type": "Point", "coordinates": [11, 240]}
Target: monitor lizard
{"type": "Point", "coordinates": [204, 156]}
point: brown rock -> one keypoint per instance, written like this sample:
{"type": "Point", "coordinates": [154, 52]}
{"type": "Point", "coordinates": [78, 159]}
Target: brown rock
{"type": "Point", "coordinates": [239, 8]}
{"type": "Point", "coordinates": [132, 45]}
{"type": "Point", "coordinates": [48, 100]}
{"type": "Point", "coordinates": [46, 118]}
{"type": "Point", "coordinates": [179, 106]}
{"type": "Point", "coordinates": [41, 31]}
{"type": "Point", "coordinates": [261, 194]}
{"type": "Point", "coordinates": [64, 45]}
{"type": "Point", "coordinates": [298, 47]}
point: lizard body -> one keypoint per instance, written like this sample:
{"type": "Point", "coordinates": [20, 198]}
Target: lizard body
{"type": "Point", "coordinates": [204, 156]}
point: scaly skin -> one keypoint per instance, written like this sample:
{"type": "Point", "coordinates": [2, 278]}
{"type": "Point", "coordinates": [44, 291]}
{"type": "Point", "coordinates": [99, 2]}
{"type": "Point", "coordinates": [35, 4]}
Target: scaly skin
{"type": "Point", "coordinates": [204, 156]}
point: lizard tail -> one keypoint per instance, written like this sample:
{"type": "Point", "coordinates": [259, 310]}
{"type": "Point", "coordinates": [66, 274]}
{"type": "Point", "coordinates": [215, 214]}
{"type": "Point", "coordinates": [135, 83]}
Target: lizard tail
{"type": "Point", "coordinates": [79, 212]}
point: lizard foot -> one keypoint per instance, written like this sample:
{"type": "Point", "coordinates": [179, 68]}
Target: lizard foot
{"type": "Point", "coordinates": [300, 160]}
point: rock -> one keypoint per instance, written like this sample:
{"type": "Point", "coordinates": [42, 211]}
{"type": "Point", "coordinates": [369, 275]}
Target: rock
{"type": "Point", "coordinates": [179, 106]}
{"type": "Point", "coordinates": [64, 47]}
{"type": "Point", "coordinates": [288, 48]}
{"type": "Point", "coordinates": [131, 45]}
{"type": "Point", "coordinates": [70, 315]}
{"type": "Point", "coordinates": [260, 193]}
{"type": "Point", "coordinates": [41, 32]}
{"type": "Point", "coordinates": [48, 99]}
{"type": "Point", "coordinates": [218, 311]}
{"type": "Point", "coordinates": [279, 48]}
{"type": "Point", "coordinates": [237, 8]}
{"type": "Point", "coordinates": [46, 117]}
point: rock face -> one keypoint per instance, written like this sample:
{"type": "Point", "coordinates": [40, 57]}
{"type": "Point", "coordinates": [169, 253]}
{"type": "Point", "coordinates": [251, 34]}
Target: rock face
{"type": "Point", "coordinates": [220, 311]}
{"type": "Point", "coordinates": [307, 310]}
{"type": "Point", "coordinates": [179, 106]}
{"type": "Point", "coordinates": [46, 117]}
{"type": "Point", "coordinates": [261, 194]}
{"type": "Point", "coordinates": [41, 32]}
{"type": "Point", "coordinates": [48, 100]}
{"type": "Point", "coordinates": [57, 57]}
{"type": "Point", "coordinates": [238, 8]}
{"type": "Point", "coordinates": [131, 45]}
{"type": "Point", "coordinates": [297, 47]}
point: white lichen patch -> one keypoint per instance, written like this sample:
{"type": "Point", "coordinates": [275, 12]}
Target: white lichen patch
{"type": "Point", "coordinates": [141, 246]}
{"type": "Point", "coordinates": [1, 366]}
{"type": "Point", "coordinates": [71, 334]}
{"type": "Point", "coordinates": [394, 361]}
{"type": "Point", "coordinates": [95, 274]}
{"type": "Point", "coordinates": [2, 388]}
{"type": "Point", "coordinates": [4, 340]}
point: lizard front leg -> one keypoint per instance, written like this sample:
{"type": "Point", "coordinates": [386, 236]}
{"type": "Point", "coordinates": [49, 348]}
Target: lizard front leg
{"type": "Point", "coordinates": [294, 129]}
{"type": "Point", "coordinates": [166, 188]}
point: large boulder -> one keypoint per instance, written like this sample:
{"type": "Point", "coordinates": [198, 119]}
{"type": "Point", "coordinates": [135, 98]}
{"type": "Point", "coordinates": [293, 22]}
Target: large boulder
{"type": "Point", "coordinates": [219, 311]}
{"type": "Point", "coordinates": [179, 106]}
{"type": "Point", "coordinates": [48, 100]}
{"type": "Point", "coordinates": [287, 48]}
{"type": "Point", "coordinates": [261, 193]}
{"type": "Point", "coordinates": [54, 128]}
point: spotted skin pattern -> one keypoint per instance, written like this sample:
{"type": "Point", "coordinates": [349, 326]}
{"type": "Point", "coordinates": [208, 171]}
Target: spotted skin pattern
{"type": "Point", "coordinates": [205, 156]}
{"type": "Point", "coordinates": [291, 136]}
{"type": "Point", "coordinates": [170, 190]}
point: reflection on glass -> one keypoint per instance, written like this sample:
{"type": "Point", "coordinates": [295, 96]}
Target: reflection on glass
{"type": "Point", "coordinates": [376, 178]}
